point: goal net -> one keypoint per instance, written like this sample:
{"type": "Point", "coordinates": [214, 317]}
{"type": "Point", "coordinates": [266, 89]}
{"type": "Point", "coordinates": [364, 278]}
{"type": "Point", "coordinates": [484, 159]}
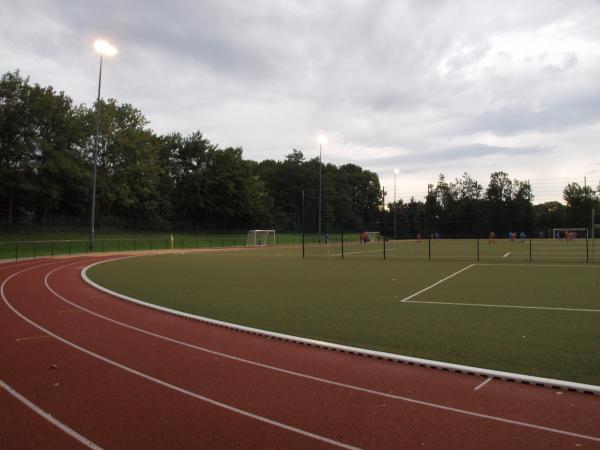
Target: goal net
{"type": "Point", "coordinates": [369, 236]}
{"type": "Point", "coordinates": [260, 237]}
{"type": "Point", "coordinates": [569, 234]}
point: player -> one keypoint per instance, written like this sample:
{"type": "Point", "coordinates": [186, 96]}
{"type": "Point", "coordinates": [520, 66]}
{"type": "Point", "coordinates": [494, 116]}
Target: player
{"type": "Point", "coordinates": [492, 238]}
{"type": "Point", "coordinates": [419, 238]}
{"type": "Point", "coordinates": [522, 237]}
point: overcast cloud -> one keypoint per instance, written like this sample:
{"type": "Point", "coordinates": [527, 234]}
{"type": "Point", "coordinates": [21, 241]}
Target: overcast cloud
{"type": "Point", "coordinates": [426, 87]}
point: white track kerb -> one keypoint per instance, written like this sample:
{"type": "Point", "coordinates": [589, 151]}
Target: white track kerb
{"type": "Point", "coordinates": [520, 378]}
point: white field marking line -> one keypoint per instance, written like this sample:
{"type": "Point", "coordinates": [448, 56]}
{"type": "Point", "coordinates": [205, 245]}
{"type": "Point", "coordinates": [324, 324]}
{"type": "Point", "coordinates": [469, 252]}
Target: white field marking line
{"type": "Point", "coordinates": [359, 252]}
{"type": "Point", "coordinates": [587, 266]}
{"type": "Point", "coordinates": [507, 253]}
{"type": "Point", "coordinates": [504, 306]}
{"type": "Point", "coordinates": [85, 441]}
{"type": "Point", "coordinates": [32, 338]}
{"type": "Point", "coordinates": [483, 384]}
{"type": "Point", "coordinates": [436, 283]}
{"type": "Point", "coordinates": [166, 384]}
{"type": "Point", "coordinates": [323, 380]}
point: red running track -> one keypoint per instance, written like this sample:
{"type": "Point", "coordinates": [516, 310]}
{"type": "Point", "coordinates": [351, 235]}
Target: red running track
{"type": "Point", "coordinates": [82, 368]}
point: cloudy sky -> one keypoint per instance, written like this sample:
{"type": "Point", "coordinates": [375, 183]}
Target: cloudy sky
{"type": "Point", "coordinates": [425, 87]}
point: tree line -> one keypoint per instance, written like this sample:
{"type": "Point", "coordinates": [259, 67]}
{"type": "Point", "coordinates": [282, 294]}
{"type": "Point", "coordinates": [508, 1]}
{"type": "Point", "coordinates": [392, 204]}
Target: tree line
{"type": "Point", "coordinates": [464, 208]}
{"type": "Point", "coordinates": [147, 181]}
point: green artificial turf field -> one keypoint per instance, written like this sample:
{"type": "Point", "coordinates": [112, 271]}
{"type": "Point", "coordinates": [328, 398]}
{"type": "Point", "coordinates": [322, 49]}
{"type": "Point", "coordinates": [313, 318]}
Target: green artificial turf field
{"type": "Point", "coordinates": [537, 319]}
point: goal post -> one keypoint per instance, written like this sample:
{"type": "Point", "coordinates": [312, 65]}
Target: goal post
{"type": "Point", "coordinates": [260, 238]}
{"type": "Point", "coordinates": [569, 234]}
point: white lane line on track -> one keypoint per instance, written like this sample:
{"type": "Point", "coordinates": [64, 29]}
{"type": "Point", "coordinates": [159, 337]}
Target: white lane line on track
{"type": "Point", "coordinates": [318, 379]}
{"type": "Point", "coordinates": [57, 423]}
{"type": "Point", "coordinates": [506, 254]}
{"type": "Point", "coordinates": [32, 338]}
{"type": "Point", "coordinates": [436, 283]}
{"type": "Point", "coordinates": [483, 384]}
{"type": "Point", "coordinates": [166, 384]}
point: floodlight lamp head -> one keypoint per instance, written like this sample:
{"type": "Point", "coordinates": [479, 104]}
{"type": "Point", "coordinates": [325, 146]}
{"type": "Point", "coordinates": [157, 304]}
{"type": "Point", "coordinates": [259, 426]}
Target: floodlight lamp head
{"type": "Point", "coordinates": [323, 139]}
{"type": "Point", "coordinates": [105, 48]}
{"type": "Point", "coordinates": [396, 171]}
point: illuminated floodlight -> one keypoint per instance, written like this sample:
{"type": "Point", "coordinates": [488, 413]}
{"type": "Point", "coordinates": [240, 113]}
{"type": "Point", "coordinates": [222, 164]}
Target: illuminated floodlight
{"type": "Point", "coordinates": [323, 140]}
{"type": "Point", "coordinates": [396, 171]}
{"type": "Point", "coordinates": [105, 48]}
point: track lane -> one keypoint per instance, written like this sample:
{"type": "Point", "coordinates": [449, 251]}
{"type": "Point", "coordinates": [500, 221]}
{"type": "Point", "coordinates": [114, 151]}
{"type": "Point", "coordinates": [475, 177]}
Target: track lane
{"type": "Point", "coordinates": [342, 367]}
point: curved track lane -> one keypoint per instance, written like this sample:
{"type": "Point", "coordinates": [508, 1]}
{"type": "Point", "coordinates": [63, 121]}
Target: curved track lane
{"type": "Point", "coordinates": [123, 376]}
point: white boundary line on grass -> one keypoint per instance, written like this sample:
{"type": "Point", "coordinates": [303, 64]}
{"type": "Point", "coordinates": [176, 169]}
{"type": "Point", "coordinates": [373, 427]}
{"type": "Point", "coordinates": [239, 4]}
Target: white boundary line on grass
{"type": "Point", "coordinates": [588, 266]}
{"type": "Point", "coordinates": [521, 378]}
{"type": "Point", "coordinates": [57, 423]}
{"type": "Point", "coordinates": [504, 306]}
{"type": "Point", "coordinates": [506, 254]}
{"type": "Point", "coordinates": [547, 308]}
{"type": "Point", "coordinates": [436, 283]}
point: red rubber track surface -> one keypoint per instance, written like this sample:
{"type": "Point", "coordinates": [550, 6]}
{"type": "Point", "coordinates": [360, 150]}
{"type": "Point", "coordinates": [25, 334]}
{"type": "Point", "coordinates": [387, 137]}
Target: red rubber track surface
{"type": "Point", "coordinates": [179, 387]}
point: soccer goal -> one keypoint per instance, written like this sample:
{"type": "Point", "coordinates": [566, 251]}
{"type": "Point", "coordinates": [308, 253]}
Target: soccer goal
{"type": "Point", "coordinates": [260, 237]}
{"type": "Point", "coordinates": [569, 234]}
{"type": "Point", "coordinates": [369, 236]}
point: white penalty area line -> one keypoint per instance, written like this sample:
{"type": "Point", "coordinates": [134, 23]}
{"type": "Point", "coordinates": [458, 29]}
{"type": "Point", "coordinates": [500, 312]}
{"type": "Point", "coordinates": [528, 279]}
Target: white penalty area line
{"type": "Point", "coordinates": [436, 283]}
{"type": "Point", "coordinates": [482, 305]}
{"type": "Point", "coordinates": [57, 423]}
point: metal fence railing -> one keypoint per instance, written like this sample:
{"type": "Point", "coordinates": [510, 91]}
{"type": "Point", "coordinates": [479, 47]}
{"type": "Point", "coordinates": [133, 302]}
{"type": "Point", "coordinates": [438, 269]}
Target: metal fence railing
{"type": "Point", "coordinates": [16, 250]}
{"type": "Point", "coordinates": [346, 246]}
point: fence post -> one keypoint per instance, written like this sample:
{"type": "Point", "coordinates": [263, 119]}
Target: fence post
{"type": "Point", "coordinates": [34, 248]}
{"type": "Point", "coordinates": [135, 245]}
{"type": "Point", "coordinates": [530, 249]}
{"type": "Point", "coordinates": [69, 248]}
{"type": "Point", "coordinates": [17, 251]}
{"type": "Point", "coordinates": [52, 248]}
{"type": "Point", "coordinates": [429, 246]}
{"type": "Point", "coordinates": [478, 247]}
{"type": "Point", "coordinates": [102, 246]}
{"type": "Point", "coordinates": [303, 250]}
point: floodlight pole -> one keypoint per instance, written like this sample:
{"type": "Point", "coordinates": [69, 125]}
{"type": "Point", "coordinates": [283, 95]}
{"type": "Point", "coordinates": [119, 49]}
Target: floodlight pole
{"type": "Point", "coordinates": [395, 235]}
{"type": "Point", "coordinates": [95, 160]}
{"type": "Point", "coordinates": [320, 191]}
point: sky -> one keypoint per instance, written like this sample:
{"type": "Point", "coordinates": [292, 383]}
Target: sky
{"type": "Point", "coordinates": [422, 87]}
